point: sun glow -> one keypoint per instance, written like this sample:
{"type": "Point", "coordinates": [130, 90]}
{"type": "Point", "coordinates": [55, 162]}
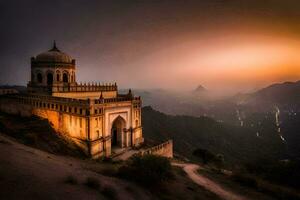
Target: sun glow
{"type": "Point", "coordinates": [257, 63]}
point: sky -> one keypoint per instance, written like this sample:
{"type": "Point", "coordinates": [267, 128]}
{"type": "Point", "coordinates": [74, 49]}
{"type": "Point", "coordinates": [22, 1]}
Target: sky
{"type": "Point", "coordinates": [225, 45]}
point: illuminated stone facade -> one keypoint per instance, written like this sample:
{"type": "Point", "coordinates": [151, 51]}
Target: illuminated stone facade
{"type": "Point", "coordinates": [95, 116]}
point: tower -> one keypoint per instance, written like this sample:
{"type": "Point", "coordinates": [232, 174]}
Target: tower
{"type": "Point", "coordinates": [52, 68]}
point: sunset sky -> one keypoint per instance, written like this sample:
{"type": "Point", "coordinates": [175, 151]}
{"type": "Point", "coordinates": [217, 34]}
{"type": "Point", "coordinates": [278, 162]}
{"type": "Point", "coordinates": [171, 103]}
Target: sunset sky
{"type": "Point", "coordinates": [229, 45]}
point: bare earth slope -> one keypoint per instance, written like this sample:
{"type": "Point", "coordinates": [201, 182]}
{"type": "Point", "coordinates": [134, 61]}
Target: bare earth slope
{"type": "Point", "coordinates": [28, 173]}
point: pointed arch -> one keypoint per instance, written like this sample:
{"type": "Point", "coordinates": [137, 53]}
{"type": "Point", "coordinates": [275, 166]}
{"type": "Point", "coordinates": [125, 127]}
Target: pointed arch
{"type": "Point", "coordinates": [58, 75]}
{"type": "Point", "coordinates": [65, 77]}
{"type": "Point", "coordinates": [117, 131]}
{"type": "Point", "coordinates": [49, 78]}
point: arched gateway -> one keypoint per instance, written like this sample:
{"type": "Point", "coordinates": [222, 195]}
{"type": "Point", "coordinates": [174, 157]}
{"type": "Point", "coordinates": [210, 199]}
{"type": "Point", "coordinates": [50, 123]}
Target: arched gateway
{"type": "Point", "coordinates": [118, 132]}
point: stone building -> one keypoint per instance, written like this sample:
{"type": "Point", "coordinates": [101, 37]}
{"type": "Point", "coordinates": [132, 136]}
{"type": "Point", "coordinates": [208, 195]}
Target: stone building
{"type": "Point", "coordinates": [95, 116]}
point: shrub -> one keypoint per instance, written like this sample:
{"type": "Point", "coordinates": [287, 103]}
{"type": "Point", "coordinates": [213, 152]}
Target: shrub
{"type": "Point", "coordinates": [147, 169]}
{"type": "Point", "coordinates": [109, 192]}
{"type": "Point", "coordinates": [71, 180]}
{"type": "Point", "coordinates": [281, 172]}
{"type": "Point", "coordinates": [92, 183]}
{"type": "Point", "coordinates": [207, 157]}
{"type": "Point", "coordinates": [245, 180]}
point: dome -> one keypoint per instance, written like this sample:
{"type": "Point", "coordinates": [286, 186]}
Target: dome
{"type": "Point", "coordinates": [54, 55]}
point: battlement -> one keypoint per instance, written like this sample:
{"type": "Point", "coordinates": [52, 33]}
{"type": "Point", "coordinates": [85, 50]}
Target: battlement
{"type": "Point", "coordinates": [73, 87]}
{"type": "Point", "coordinates": [120, 98]}
{"type": "Point", "coordinates": [31, 97]}
{"type": "Point", "coordinates": [85, 87]}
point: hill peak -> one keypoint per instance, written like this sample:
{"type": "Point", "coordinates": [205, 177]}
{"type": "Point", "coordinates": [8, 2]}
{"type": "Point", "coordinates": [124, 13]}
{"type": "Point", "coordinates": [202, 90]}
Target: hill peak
{"type": "Point", "coordinates": [200, 88]}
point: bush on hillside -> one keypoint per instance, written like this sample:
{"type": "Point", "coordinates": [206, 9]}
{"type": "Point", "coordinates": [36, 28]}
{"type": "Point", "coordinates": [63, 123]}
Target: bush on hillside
{"type": "Point", "coordinates": [147, 169]}
{"type": "Point", "coordinates": [92, 182]}
{"type": "Point", "coordinates": [71, 180]}
{"type": "Point", "coordinates": [208, 157]}
{"type": "Point", "coordinates": [281, 172]}
{"type": "Point", "coordinates": [244, 180]}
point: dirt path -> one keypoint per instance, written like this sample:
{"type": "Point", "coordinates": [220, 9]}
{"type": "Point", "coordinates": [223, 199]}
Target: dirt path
{"type": "Point", "coordinates": [191, 170]}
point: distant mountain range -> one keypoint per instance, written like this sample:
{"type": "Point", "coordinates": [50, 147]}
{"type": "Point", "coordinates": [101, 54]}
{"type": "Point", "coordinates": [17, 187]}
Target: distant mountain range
{"type": "Point", "coordinates": [286, 95]}
{"type": "Point", "coordinates": [269, 117]}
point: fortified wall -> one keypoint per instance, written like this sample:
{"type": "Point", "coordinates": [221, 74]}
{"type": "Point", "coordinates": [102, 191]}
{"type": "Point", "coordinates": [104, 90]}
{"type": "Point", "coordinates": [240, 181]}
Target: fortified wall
{"type": "Point", "coordinates": [164, 149]}
{"type": "Point", "coordinates": [82, 120]}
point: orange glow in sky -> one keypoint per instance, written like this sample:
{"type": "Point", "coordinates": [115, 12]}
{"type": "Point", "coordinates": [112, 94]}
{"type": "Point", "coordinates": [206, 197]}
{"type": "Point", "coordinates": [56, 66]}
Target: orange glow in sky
{"type": "Point", "coordinates": [233, 64]}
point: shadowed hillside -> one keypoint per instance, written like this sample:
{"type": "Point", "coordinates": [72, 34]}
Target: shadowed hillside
{"type": "Point", "coordinates": [236, 143]}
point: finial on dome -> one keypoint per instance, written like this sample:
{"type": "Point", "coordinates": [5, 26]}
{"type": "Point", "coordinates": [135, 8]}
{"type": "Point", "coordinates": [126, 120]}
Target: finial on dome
{"type": "Point", "coordinates": [54, 48]}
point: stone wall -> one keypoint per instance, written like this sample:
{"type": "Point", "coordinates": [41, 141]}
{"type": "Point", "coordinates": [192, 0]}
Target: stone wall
{"type": "Point", "coordinates": [164, 149]}
{"type": "Point", "coordinates": [87, 122]}
{"type": "Point", "coordinates": [74, 126]}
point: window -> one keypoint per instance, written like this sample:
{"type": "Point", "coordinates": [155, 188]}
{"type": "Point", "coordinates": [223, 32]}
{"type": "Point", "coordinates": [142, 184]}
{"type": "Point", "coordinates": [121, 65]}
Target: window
{"type": "Point", "coordinates": [49, 79]}
{"type": "Point", "coordinates": [80, 111]}
{"type": "Point", "coordinates": [96, 111]}
{"type": "Point", "coordinates": [70, 120]}
{"type": "Point", "coordinates": [97, 122]}
{"type": "Point", "coordinates": [136, 123]}
{"type": "Point", "coordinates": [80, 122]}
{"type": "Point", "coordinates": [98, 134]}
{"type": "Point", "coordinates": [65, 78]}
{"type": "Point", "coordinates": [39, 78]}
{"type": "Point", "coordinates": [75, 110]}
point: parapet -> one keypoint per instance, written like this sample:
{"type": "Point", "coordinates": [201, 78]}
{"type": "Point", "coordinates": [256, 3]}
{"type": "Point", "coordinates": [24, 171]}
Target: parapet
{"type": "Point", "coordinates": [86, 87]}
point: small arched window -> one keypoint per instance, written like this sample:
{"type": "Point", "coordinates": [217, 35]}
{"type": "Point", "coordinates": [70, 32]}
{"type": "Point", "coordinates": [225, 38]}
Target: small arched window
{"type": "Point", "coordinates": [58, 76]}
{"type": "Point", "coordinates": [49, 79]}
{"type": "Point", "coordinates": [65, 78]}
{"type": "Point", "coordinates": [136, 123]}
{"type": "Point", "coordinates": [39, 78]}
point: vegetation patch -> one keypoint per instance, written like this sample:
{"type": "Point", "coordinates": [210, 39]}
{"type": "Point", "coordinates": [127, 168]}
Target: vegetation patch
{"type": "Point", "coordinates": [207, 157]}
{"type": "Point", "coordinates": [92, 183]}
{"type": "Point", "coordinates": [71, 180]}
{"type": "Point", "coordinates": [244, 180]}
{"type": "Point", "coordinates": [109, 192]}
{"type": "Point", "coordinates": [282, 172]}
{"type": "Point", "coordinates": [147, 169]}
